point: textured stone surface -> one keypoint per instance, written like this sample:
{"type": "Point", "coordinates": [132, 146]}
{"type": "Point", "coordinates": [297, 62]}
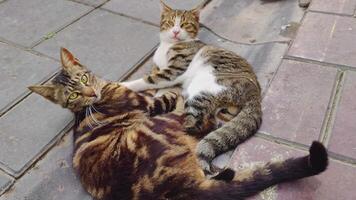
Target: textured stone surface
{"type": "Point", "coordinates": [108, 44]}
{"type": "Point", "coordinates": [257, 151]}
{"type": "Point", "coordinates": [27, 129]}
{"type": "Point", "coordinates": [147, 10]}
{"type": "Point", "coordinates": [20, 69]}
{"type": "Point", "coordinates": [264, 59]}
{"type": "Point", "coordinates": [296, 102]}
{"type": "Point", "coordinates": [25, 26]}
{"type": "Point", "coordinates": [251, 20]}
{"type": "Point", "coordinates": [326, 38]}
{"type": "Point", "coordinates": [5, 182]}
{"type": "Point", "coordinates": [343, 138]}
{"type": "Point", "coordinates": [51, 178]}
{"type": "Point", "coordinates": [334, 6]}
{"type": "Point", "coordinates": [337, 182]}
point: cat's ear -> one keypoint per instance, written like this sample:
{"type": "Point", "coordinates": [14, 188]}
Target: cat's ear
{"type": "Point", "coordinates": [165, 7]}
{"type": "Point", "coordinates": [47, 91]}
{"type": "Point", "coordinates": [67, 58]}
{"type": "Point", "coordinates": [196, 10]}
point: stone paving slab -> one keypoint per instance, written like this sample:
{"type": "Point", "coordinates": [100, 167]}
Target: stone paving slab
{"type": "Point", "coordinates": [5, 182]}
{"type": "Point", "coordinates": [147, 10]}
{"type": "Point", "coordinates": [20, 69]}
{"type": "Point", "coordinates": [107, 43]}
{"type": "Point", "coordinates": [257, 151]}
{"type": "Point", "coordinates": [346, 7]}
{"type": "Point", "coordinates": [343, 138]}
{"type": "Point", "coordinates": [296, 102]}
{"type": "Point", "coordinates": [25, 26]}
{"type": "Point", "coordinates": [337, 182]}
{"type": "Point", "coordinates": [52, 178]}
{"type": "Point", "coordinates": [27, 130]}
{"type": "Point", "coordinates": [326, 38]}
{"type": "Point", "coordinates": [251, 20]}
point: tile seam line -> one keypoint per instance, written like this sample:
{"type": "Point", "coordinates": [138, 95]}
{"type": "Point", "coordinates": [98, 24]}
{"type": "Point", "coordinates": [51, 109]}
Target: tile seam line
{"type": "Point", "coordinates": [321, 63]}
{"type": "Point", "coordinates": [88, 4]}
{"type": "Point", "coordinates": [330, 115]}
{"type": "Point", "coordinates": [92, 9]}
{"type": "Point", "coordinates": [331, 13]}
{"type": "Point", "coordinates": [24, 95]}
{"type": "Point", "coordinates": [305, 148]}
{"type": "Point", "coordinates": [26, 49]}
{"type": "Point", "coordinates": [61, 28]}
{"type": "Point", "coordinates": [7, 187]}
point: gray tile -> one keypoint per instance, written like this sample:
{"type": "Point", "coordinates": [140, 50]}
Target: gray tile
{"type": "Point", "coordinates": [107, 43]}
{"type": "Point", "coordinates": [326, 38]}
{"type": "Point", "coordinates": [25, 22]}
{"type": "Point", "coordinates": [265, 58]}
{"type": "Point", "coordinates": [20, 69]}
{"type": "Point", "coordinates": [51, 178]}
{"type": "Point", "coordinates": [295, 104]}
{"type": "Point", "coordinates": [335, 6]}
{"type": "Point", "coordinates": [27, 129]}
{"type": "Point", "coordinates": [5, 182]}
{"type": "Point", "coordinates": [147, 10]}
{"type": "Point", "coordinates": [252, 20]}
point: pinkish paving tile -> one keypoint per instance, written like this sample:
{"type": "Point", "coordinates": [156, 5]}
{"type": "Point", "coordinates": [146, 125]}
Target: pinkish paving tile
{"type": "Point", "coordinates": [334, 6]}
{"type": "Point", "coordinates": [258, 151]}
{"type": "Point", "coordinates": [296, 102]}
{"type": "Point", "coordinates": [343, 138]}
{"type": "Point", "coordinates": [336, 183]}
{"type": "Point", "coordinates": [326, 38]}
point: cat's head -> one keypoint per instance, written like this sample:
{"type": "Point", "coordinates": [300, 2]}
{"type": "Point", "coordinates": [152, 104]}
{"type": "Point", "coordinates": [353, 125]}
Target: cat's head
{"type": "Point", "coordinates": [74, 87]}
{"type": "Point", "coordinates": [179, 25]}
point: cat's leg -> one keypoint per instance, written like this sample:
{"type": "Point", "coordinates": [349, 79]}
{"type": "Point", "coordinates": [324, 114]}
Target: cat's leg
{"type": "Point", "coordinates": [158, 79]}
{"type": "Point", "coordinates": [162, 104]}
{"type": "Point", "coordinates": [232, 133]}
{"type": "Point", "coordinates": [198, 112]}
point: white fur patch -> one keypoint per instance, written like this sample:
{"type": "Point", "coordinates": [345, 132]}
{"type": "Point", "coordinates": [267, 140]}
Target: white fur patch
{"type": "Point", "coordinates": [160, 57]}
{"type": "Point", "coordinates": [199, 78]}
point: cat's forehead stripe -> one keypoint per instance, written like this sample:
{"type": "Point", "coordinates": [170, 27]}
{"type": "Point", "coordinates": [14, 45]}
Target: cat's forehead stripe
{"type": "Point", "coordinates": [62, 78]}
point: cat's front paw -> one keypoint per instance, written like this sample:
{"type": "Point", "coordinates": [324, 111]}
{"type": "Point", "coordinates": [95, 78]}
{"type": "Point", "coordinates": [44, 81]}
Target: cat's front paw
{"type": "Point", "coordinates": [136, 85]}
{"type": "Point", "coordinates": [206, 153]}
{"type": "Point", "coordinates": [191, 125]}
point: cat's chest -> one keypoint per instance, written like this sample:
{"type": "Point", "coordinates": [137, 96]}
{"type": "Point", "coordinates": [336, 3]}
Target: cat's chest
{"type": "Point", "coordinates": [160, 57]}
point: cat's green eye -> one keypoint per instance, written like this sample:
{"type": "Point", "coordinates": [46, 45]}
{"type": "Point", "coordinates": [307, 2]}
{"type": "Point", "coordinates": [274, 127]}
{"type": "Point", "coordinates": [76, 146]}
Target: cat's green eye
{"type": "Point", "coordinates": [73, 96]}
{"type": "Point", "coordinates": [84, 79]}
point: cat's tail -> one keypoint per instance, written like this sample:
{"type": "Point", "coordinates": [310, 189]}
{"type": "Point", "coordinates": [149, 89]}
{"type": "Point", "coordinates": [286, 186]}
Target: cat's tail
{"type": "Point", "coordinates": [252, 181]}
{"type": "Point", "coordinates": [238, 129]}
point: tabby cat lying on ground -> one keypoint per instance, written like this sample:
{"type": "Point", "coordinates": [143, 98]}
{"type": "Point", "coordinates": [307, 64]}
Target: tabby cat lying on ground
{"type": "Point", "coordinates": [123, 151]}
{"type": "Point", "coordinates": [212, 78]}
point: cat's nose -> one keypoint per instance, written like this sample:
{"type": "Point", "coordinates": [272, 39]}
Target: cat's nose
{"type": "Point", "coordinates": [176, 32]}
{"type": "Point", "coordinates": [89, 92]}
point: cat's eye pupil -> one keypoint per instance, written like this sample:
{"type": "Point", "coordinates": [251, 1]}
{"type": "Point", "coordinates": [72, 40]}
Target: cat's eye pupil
{"type": "Point", "coordinates": [73, 96]}
{"type": "Point", "coordinates": [84, 79]}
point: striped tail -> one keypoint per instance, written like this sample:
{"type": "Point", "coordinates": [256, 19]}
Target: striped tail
{"type": "Point", "coordinates": [251, 182]}
{"type": "Point", "coordinates": [238, 129]}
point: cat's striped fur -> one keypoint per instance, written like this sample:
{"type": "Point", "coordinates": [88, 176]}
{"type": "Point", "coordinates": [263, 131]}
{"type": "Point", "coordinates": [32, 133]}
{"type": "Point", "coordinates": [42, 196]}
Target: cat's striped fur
{"type": "Point", "coordinates": [212, 78]}
{"type": "Point", "coordinates": [122, 151]}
